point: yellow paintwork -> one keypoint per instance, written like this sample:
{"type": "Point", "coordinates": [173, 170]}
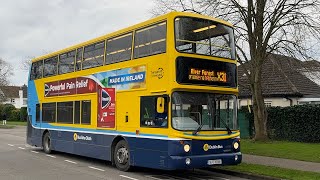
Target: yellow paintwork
{"type": "Point", "coordinates": [207, 137]}
{"type": "Point", "coordinates": [128, 101]}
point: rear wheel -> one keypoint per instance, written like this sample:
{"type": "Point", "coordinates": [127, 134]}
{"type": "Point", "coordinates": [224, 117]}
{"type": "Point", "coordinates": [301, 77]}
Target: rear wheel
{"type": "Point", "coordinates": [121, 156]}
{"type": "Point", "coordinates": [46, 143]}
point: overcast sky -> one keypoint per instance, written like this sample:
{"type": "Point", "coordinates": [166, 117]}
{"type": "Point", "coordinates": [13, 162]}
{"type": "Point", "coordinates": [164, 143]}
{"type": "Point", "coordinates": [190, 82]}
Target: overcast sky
{"type": "Point", "coordinates": [30, 28]}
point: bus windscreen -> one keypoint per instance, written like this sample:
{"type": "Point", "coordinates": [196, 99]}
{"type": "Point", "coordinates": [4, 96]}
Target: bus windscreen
{"type": "Point", "coordinates": [201, 36]}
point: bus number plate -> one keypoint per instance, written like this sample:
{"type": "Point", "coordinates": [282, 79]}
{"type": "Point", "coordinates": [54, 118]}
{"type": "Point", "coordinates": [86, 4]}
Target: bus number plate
{"type": "Point", "coordinates": [213, 162]}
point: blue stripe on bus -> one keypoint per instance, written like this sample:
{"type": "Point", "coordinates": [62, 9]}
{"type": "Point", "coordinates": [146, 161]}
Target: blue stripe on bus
{"type": "Point", "coordinates": [94, 131]}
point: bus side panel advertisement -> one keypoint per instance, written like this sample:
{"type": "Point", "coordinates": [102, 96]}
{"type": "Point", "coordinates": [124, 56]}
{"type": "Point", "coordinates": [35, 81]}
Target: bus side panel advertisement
{"type": "Point", "coordinates": [80, 85]}
{"type": "Point", "coordinates": [206, 72]}
{"type": "Point", "coordinates": [106, 108]}
{"type": "Point", "coordinates": [124, 79]}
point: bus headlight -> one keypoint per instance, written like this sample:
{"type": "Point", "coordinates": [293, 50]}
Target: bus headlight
{"type": "Point", "coordinates": [236, 145]}
{"type": "Point", "coordinates": [186, 147]}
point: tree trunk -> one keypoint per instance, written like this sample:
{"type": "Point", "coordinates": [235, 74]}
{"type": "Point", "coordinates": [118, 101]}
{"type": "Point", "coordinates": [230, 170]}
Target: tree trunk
{"type": "Point", "coordinates": [259, 110]}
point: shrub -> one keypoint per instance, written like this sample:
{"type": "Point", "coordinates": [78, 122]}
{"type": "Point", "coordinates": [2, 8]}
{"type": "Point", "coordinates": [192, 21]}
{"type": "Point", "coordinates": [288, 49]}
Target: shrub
{"type": "Point", "coordinates": [7, 109]}
{"type": "Point", "coordinates": [23, 114]}
{"type": "Point", "coordinates": [14, 115]}
{"type": "Point", "coordinates": [296, 123]}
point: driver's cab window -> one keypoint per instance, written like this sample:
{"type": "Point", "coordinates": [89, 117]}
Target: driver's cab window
{"type": "Point", "coordinates": [189, 116]}
{"type": "Point", "coordinates": [150, 115]}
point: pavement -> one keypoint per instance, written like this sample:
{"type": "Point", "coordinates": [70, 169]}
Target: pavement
{"type": "Point", "coordinates": [282, 163]}
{"type": "Point", "coordinates": [271, 161]}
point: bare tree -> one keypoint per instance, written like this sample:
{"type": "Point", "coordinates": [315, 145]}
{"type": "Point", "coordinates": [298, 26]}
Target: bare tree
{"type": "Point", "coordinates": [26, 63]}
{"type": "Point", "coordinates": [262, 27]}
{"type": "Point", "coordinates": [5, 73]}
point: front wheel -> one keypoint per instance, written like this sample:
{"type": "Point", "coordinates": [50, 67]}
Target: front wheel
{"type": "Point", "coordinates": [46, 143]}
{"type": "Point", "coordinates": [121, 156]}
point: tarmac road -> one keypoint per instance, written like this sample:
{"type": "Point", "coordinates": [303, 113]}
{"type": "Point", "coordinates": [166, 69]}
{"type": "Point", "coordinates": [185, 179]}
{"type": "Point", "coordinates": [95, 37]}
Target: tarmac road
{"type": "Point", "coordinates": [19, 161]}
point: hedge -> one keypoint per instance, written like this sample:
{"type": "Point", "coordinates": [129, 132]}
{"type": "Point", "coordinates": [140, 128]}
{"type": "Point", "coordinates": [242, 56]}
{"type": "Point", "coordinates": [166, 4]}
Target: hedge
{"type": "Point", "coordinates": [7, 110]}
{"type": "Point", "coordinates": [12, 113]}
{"type": "Point", "coordinates": [295, 123]}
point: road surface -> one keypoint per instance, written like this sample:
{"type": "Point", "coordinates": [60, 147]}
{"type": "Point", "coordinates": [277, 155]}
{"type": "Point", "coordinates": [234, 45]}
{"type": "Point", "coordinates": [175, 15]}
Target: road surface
{"type": "Point", "coordinates": [19, 161]}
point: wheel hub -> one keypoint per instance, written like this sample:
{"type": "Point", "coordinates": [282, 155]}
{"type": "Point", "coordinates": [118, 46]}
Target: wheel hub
{"type": "Point", "coordinates": [47, 144]}
{"type": "Point", "coordinates": [122, 155]}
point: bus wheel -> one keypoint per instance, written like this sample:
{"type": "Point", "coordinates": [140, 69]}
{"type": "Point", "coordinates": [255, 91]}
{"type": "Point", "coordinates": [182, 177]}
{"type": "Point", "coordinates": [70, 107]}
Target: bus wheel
{"type": "Point", "coordinates": [122, 156]}
{"type": "Point", "coordinates": [46, 143]}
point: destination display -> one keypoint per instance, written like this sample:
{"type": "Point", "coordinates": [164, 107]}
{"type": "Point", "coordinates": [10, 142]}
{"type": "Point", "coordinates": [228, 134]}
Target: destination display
{"type": "Point", "coordinates": [205, 72]}
{"type": "Point", "coordinates": [207, 75]}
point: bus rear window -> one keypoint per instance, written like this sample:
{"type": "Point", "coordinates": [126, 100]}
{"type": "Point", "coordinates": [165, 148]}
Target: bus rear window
{"type": "Point", "coordinates": [36, 70]}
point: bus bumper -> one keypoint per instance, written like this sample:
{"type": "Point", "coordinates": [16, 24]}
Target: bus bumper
{"type": "Point", "coordinates": [202, 161]}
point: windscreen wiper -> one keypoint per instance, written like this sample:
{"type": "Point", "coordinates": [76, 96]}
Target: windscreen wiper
{"type": "Point", "coordinates": [228, 129]}
{"type": "Point", "coordinates": [197, 130]}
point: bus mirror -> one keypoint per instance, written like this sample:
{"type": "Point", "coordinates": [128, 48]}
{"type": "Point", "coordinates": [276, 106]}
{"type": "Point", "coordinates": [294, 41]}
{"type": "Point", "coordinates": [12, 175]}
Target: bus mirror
{"type": "Point", "coordinates": [160, 105]}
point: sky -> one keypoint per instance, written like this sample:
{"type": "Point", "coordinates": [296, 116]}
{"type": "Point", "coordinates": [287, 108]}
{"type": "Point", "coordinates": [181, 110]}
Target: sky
{"type": "Point", "coordinates": [30, 28]}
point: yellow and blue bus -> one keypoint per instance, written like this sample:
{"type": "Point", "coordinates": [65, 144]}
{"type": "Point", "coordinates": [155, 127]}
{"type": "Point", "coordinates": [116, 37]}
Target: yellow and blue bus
{"type": "Point", "coordinates": [160, 94]}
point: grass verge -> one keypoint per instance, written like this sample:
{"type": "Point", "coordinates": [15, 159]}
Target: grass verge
{"type": "Point", "coordinates": [270, 171]}
{"type": "Point", "coordinates": [6, 126]}
{"type": "Point", "coordinates": [282, 149]}
{"type": "Point", "coordinates": [17, 123]}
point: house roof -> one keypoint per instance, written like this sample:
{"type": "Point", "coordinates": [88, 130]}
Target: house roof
{"type": "Point", "coordinates": [284, 76]}
{"type": "Point", "coordinates": [13, 91]}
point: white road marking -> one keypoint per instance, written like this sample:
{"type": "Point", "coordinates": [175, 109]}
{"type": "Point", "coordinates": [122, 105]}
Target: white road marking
{"type": "Point", "coordinates": [11, 145]}
{"type": "Point", "coordinates": [70, 161]}
{"type": "Point", "coordinates": [35, 152]}
{"type": "Point", "coordinates": [50, 156]}
{"type": "Point", "coordinates": [128, 177]}
{"type": "Point", "coordinates": [174, 177]}
{"type": "Point", "coordinates": [194, 177]}
{"type": "Point", "coordinates": [21, 148]}
{"type": "Point", "coordinates": [223, 178]}
{"type": "Point", "coordinates": [91, 167]}
{"type": "Point", "coordinates": [153, 177]}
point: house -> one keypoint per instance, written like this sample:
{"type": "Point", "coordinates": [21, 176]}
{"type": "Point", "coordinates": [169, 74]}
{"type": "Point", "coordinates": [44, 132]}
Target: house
{"type": "Point", "coordinates": [286, 81]}
{"type": "Point", "coordinates": [15, 95]}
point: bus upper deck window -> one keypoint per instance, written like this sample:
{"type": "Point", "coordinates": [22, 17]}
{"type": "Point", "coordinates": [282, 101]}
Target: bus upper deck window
{"type": "Point", "coordinates": [150, 40]}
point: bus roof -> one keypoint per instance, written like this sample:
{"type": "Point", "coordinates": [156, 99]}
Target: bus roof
{"type": "Point", "coordinates": [129, 29]}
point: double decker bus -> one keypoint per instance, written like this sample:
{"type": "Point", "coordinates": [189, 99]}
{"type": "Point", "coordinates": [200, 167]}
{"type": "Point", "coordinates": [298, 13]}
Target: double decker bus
{"type": "Point", "coordinates": [160, 94]}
